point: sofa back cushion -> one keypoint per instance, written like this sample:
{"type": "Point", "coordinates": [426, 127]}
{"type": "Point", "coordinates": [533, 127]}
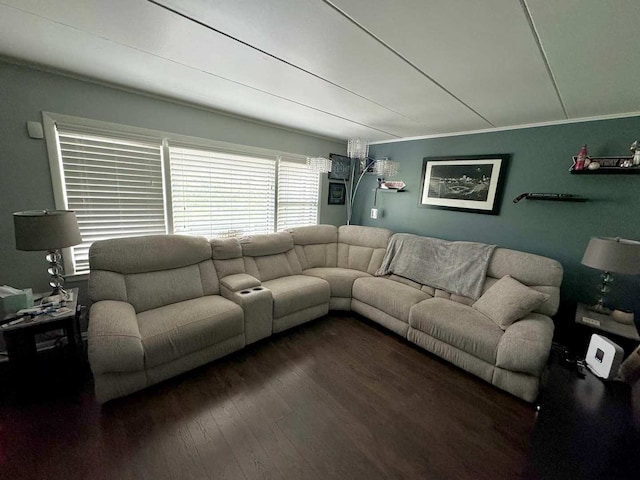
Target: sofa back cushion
{"type": "Point", "coordinates": [227, 256]}
{"type": "Point", "coordinates": [270, 256]}
{"type": "Point", "coordinates": [316, 246]}
{"type": "Point", "coordinates": [151, 271]}
{"type": "Point", "coordinates": [362, 248]}
{"type": "Point", "coordinates": [540, 273]}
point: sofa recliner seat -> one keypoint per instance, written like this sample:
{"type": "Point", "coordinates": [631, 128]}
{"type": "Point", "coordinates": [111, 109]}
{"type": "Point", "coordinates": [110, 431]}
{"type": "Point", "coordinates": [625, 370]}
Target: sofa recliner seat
{"type": "Point", "coordinates": [340, 255]}
{"type": "Point", "coordinates": [155, 315]}
{"type": "Point", "coordinates": [297, 298]}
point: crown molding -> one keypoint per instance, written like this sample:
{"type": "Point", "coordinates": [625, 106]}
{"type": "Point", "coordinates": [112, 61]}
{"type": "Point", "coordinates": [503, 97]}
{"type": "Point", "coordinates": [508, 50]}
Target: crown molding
{"type": "Point", "coordinates": [516, 127]}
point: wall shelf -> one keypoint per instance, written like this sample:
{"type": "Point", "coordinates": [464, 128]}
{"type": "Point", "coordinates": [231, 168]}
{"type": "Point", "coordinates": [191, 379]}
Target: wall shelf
{"type": "Point", "coordinates": [553, 197]}
{"type": "Point", "coordinates": [390, 190]}
{"type": "Point", "coordinates": [608, 171]}
{"type": "Point", "coordinates": [608, 166]}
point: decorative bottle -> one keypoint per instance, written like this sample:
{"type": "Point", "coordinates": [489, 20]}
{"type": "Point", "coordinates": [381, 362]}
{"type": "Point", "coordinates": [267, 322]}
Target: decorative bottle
{"type": "Point", "coordinates": [581, 158]}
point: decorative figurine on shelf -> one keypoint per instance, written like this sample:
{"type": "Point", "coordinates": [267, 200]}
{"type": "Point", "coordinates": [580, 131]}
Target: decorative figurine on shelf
{"type": "Point", "coordinates": [582, 159]}
{"type": "Point", "coordinates": [635, 148]}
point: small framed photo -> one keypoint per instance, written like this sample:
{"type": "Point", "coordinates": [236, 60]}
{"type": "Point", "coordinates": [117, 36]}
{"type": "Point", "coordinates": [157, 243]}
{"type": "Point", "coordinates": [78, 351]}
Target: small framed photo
{"type": "Point", "coordinates": [337, 193]}
{"type": "Point", "coordinates": [340, 167]}
{"type": "Point", "coordinates": [467, 183]}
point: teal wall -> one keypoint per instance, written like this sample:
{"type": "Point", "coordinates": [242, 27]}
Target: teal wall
{"type": "Point", "coordinates": [25, 181]}
{"type": "Point", "coordinates": [540, 159]}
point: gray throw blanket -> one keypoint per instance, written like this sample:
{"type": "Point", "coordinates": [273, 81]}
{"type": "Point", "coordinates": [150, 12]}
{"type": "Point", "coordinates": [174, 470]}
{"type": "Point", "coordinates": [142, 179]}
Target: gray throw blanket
{"type": "Point", "coordinates": [456, 267]}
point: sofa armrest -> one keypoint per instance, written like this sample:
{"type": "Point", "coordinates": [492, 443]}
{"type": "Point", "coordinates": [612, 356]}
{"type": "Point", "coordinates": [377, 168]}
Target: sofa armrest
{"type": "Point", "coordinates": [256, 302]}
{"type": "Point", "coordinates": [526, 344]}
{"type": "Point", "coordinates": [114, 338]}
{"type": "Point", "coordinates": [239, 281]}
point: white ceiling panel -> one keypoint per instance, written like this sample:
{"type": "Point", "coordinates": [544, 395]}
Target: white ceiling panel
{"type": "Point", "coordinates": [345, 68]}
{"type": "Point", "coordinates": [136, 69]}
{"type": "Point", "coordinates": [593, 48]}
{"type": "Point", "coordinates": [482, 51]}
{"type": "Point", "coordinates": [191, 45]}
{"type": "Point", "coordinates": [316, 38]}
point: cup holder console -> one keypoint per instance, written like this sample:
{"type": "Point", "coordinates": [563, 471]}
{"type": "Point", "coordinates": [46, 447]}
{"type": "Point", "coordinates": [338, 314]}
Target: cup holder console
{"type": "Point", "coordinates": [254, 289]}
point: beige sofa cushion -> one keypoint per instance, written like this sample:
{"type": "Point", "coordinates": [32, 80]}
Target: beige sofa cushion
{"type": "Point", "coordinates": [151, 271]}
{"type": "Point", "coordinates": [458, 325]}
{"type": "Point", "coordinates": [391, 297]}
{"type": "Point", "coordinates": [176, 330]}
{"type": "Point", "coordinates": [149, 290]}
{"type": "Point", "coordinates": [508, 300]}
{"type": "Point", "coordinates": [537, 272]}
{"type": "Point", "coordinates": [362, 248]}
{"type": "Point", "coordinates": [114, 338]}
{"type": "Point", "coordinates": [267, 244]}
{"type": "Point", "coordinates": [270, 256]}
{"type": "Point", "coordinates": [316, 246]}
{"type": "Point", "coordinates": [526, 344]}
{"type": "Point", "coordinates": [340, 279]}
{"type": "Point", "coordinates": [296, 292]}
{"type": "Point", "coordinates": [141, 254]}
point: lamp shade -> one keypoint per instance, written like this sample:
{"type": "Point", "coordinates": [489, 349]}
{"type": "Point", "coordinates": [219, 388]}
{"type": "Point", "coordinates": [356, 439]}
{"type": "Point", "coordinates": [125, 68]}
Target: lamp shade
{"type": "Point", "coordinates": [46, 229]}
{"type": "Point", "coordinates": [613, 255]}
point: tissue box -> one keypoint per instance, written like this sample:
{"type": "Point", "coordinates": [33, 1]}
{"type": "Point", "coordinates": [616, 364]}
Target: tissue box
{"type": "Point", "coordinates": [13, 303]}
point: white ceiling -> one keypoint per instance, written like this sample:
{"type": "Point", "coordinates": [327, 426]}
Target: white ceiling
{"type": "Point", "coordinates": [344, 68]}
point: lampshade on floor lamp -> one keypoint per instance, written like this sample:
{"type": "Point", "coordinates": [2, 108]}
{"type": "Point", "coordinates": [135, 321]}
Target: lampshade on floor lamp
{"type": "Point", "coordinates": [48, 230]}
{"type": "Point", "coordinates": [611, 255]}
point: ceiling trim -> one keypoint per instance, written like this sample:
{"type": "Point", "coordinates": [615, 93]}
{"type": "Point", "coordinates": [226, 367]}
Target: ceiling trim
{"type": "Point", "coordinates": [515, 127]}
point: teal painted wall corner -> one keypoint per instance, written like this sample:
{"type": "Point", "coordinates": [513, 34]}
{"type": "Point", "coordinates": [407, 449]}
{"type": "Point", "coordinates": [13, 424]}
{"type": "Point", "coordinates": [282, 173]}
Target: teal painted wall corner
{"type": "Point", "coordinates": [540, 160]}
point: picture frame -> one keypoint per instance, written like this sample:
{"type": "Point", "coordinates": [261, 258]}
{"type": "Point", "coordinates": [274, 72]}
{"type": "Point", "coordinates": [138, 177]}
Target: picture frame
{"type": "Point", "coordinates": [340, 167]}
{"type": "Point", "coordinates": [464, 183]}
{"type": "Point", "coordinates": [337, 194]}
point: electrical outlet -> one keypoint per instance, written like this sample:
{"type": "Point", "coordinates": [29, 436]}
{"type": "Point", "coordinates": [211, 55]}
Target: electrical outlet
{"type": "Point", "coordinates": [374, 213]}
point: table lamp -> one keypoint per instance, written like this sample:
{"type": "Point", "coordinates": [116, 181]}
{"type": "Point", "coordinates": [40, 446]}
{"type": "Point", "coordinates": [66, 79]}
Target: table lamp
{"type": "Point", "coordinates": [612, 255]}
{"type": "Point", "coordinates": [48, 230]}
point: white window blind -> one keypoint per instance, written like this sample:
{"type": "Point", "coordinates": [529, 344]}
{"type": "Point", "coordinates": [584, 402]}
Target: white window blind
{"type": "Point", "coordinates": [221, 194]}
{"type": "Point", "coordinates": [298, 189]}
{"type": "Point", "coordinates": [114, 185]}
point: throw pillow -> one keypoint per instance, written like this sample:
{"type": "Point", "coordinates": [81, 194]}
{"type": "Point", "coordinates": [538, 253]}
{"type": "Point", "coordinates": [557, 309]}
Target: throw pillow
{"type": "Point", "coordinates": [508, 300]}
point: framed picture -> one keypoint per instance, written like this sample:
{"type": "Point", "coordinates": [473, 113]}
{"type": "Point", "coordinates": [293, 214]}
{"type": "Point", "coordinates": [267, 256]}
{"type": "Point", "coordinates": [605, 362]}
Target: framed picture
{"type": "Point", "coordinates": [466, 183]}
{"type": "Point", "coordinates": [337, 193]}
{"type": "Point", "coordinates": [340, 167]}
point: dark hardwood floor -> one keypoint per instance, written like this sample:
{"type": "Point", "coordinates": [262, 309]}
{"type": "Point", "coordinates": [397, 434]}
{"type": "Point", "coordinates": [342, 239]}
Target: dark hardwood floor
{"type": "Point", "coordinates": [338, 398]}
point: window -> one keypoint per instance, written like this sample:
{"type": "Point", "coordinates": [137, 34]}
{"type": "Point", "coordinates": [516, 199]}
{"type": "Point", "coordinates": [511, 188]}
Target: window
{"type": "Point", "coordinates": [114, 186]}
{"type": "Point", "coordinates": [218, 194]}
{"type": "Point", "coordinates": [124, 184]}
{"type": "Point", "coordinates": [298, 190]}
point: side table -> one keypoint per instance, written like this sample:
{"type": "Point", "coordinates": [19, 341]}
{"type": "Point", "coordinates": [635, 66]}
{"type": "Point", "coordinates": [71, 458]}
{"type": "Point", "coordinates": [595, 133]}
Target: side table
{"type": "Point", "coordinates": [20, 338]}
{"type": "Point", "coordinates": [589, 321]}
{"type": "Point", "coordinates": [587, 428]}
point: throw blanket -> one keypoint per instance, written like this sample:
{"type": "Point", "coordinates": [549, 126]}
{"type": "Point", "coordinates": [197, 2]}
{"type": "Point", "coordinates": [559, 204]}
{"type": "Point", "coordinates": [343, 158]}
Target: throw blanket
{"type": "Point", "coordinates": [456, 267]}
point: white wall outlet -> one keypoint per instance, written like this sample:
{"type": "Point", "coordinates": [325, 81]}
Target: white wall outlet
{"type": "Point", "coordinates": [374, 213]}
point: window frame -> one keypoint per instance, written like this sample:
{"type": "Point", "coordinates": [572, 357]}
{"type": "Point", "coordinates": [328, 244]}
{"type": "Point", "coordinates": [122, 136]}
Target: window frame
{"type": "Point", "coordinates": [164, 139]}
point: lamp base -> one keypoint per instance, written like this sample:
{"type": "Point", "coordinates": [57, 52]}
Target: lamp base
{"type": "Point", "coordinates": [599, 308]}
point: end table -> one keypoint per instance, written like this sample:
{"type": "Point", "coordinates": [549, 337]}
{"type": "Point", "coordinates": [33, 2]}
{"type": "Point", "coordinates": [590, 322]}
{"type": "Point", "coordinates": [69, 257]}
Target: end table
{"type": "Point", "coordinates": [20, 338]}
{"type": "Point", "coordinates": [626, 335]}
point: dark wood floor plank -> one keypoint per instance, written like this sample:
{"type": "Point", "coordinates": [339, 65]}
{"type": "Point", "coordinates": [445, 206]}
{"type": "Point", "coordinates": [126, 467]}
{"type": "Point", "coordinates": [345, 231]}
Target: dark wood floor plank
{"type": "Point", "coordinates": [261, 411]}
{"type": "Point", "coordinates": [250, 453]}
{"type": "Point", "coordinates": [338, 398]}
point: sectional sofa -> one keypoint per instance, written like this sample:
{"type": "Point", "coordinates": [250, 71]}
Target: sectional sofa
{"type": "Point", "coordinates": [165, 304]}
